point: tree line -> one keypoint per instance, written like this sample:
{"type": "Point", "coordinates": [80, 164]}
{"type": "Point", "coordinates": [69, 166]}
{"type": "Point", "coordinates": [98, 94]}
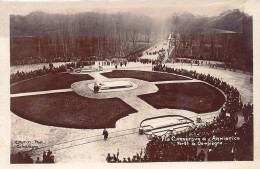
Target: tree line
{"type": "Point", "coordinates": [41, 36]}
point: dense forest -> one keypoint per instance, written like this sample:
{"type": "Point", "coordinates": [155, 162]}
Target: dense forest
{"type": "Point", "coordinates": [227, 37]}
{"type": "Point", "coordinates": [45, 36]}
{"type": "Point", "coordinates": [42, 37]}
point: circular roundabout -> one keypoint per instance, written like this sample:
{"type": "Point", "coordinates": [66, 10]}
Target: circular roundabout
{"type": "Point", "coordinates": [44, 100]}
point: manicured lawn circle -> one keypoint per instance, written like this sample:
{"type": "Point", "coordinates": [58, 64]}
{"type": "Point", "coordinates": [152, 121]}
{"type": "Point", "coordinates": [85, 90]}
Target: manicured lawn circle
{"type": "Point", "coordinates": [196, 97]}
{"type": "Point", "coordinates": [71, 110]}
{"type": "Point", "coordinates": [143, 75]}
{"type": "Point", "coordinates": [49, 82]}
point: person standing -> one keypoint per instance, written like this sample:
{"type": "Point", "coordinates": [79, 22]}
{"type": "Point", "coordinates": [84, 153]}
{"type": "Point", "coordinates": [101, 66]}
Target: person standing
{"type": "Point", "coordinates": [108, 158]}
{"type": "Point", "coordinates": [105, 133]}
{"type": "Point", "coordinates": [201, 156]}
{"type": "Point", "coordinates": [38, 160]}
{"type": "Point", "coordinates": [95, 88]}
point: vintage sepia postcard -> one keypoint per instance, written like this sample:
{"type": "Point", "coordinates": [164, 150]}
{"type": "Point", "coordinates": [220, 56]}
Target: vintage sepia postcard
{"type": "Point", "coordinates": [155, 83]}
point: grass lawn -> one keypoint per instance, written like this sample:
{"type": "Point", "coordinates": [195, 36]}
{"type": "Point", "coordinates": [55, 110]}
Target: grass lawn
{"type": "Point", "coordinates": [196, 97]}
{"type": "Point", "coordinates": [49, 82]}
{"type": "Point", "coordinates": [71, 110]}
{"type": "Point", "coordinates": [143, 75]}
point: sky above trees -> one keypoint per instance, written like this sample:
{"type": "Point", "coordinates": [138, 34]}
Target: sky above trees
{"type": "Point", "coordinates": [153, 8]}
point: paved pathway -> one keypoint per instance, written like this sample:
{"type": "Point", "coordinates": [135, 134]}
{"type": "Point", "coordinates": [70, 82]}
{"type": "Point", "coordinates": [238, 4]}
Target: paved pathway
{"type": "Point", "coordinates": [98, 77]}
{"type": "Point", "coordinates": [40, 92]}
{"type": "Point", "coordinates": [176, 81]}
{"type": "Point", "coordinates": [237, 79]}
{"type": "Point", "coordinates": [138, 104]}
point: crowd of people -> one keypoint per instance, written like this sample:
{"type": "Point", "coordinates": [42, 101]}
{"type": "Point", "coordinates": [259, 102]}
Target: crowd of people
{"type": "Point", "coordinates": [121, 64]}
{"type": "Point", "coordinates": [225, 125]}
{"type": "Point", "coordinates": [29, 61]}
{"type": "Point", "coordinates": [146, 61]}
{"type": "Point", "coordinates": [139, 157]}
{"type": "Point", "coordinates": [20, 75]}
{"type": "Point", "coordinates": [228, 62]}
{"type": "Point", "coordinates": [47, 157]}
{"type": "Point", "coordinates": [213, 64]}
